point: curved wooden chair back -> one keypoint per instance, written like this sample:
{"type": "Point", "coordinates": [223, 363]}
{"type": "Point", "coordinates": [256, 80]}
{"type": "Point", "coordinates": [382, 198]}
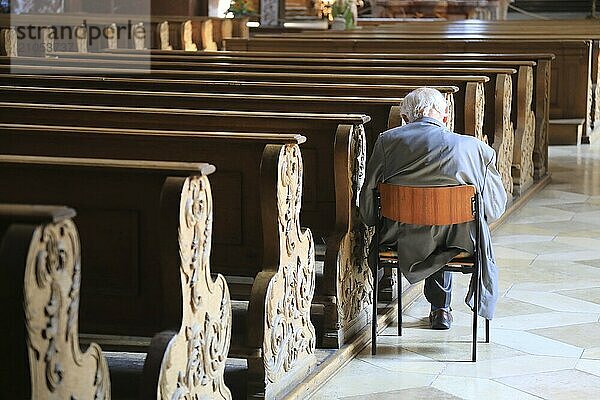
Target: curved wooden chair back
{"type": "Point", "coordinates": [428, 205]}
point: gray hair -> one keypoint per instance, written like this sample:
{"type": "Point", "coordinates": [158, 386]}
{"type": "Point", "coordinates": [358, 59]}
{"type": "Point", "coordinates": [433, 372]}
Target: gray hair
{"type": "Point", "coordinates": [418, 103]}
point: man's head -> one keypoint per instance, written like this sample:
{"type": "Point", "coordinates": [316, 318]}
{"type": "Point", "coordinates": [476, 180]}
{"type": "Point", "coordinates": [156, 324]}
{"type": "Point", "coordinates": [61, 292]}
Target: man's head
{"type": "Point", "coordinates": [424, 102]}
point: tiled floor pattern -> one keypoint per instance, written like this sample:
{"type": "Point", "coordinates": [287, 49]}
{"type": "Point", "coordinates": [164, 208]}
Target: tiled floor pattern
{"type": "Point", "coordinates": [545, 338]}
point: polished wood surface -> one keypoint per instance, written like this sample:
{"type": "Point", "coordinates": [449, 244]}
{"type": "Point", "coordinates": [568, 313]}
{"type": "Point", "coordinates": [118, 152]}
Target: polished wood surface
{"type": "Point", "coordinates": [445, 205]}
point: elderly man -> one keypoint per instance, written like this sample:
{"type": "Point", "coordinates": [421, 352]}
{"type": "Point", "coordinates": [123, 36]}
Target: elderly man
{"type": "Point", "coordinates": [424, 153]}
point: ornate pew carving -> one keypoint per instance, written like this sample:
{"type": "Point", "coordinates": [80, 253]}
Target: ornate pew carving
{"type": "Point", "coordinates": [163, 36]}
{"type": "Point", "coordinates": [522, 168]}
{"type": "Point", "coordinates": [206, 35]}
{"type": "Point", "coordinates": [111, 36]}
{"type": "Point", "coordinates": [279, 311]}
{"type": "Point", "coordinates": [81, 38]}
{"type": "Point", "coordinates": [187, 42]}
{"type": "Point", "coordinates": [8, 42]}
{"type": "Point", "coordinates": [542, 108]}
{"type": "Point", "coordinates": [139, 33]}
{"type": "Point", "coordinates": [190, 363]}
{"type": "Point", "coordinates": [475, 94]}
{"type": "Point", "coordinates": [346, 272]}
{"type": "Point", "coordinates": [44, 252]}
{"type": "Point", "coordinates": [504, 136]}
{"type": "Point", "coordinates": [451, 111]}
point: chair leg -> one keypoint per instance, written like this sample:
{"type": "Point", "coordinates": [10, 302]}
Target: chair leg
{"type": "Point", "coordinates": [374, 317]}
{"type": "Point", "coordinates": [475, 312]}
{"type": "Point", "coordinates": [399, 303]}
{"type": "Point", "coordinates": [487, 330]}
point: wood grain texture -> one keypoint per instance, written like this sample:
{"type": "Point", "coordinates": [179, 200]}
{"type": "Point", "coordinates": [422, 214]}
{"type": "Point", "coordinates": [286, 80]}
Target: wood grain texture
{"type": "Point", "coordinates": [445, 205]}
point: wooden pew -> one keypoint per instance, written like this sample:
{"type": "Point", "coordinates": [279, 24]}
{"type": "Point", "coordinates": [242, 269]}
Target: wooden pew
{"type": "Point", "coordinates": [266, 302]}
{"type": "Point", "coordinates": [540, 64]}
{"type": "Point", "coordinates": [127, 31]}
{"type": "Point", "coordinates": [570, 98]}
{"type": "Point", "coordinates": [494, 122]}
{"type": "Point", "coordinates": [473, 123]}
{"type": "Point", "coordinates": [331, 137]}
{"type": "Point", "coordinates": [469, 121]}
{"type": "Point", "coordinates": [541, 77]}
{"type": "Point", "coordinates": [41, 272]}
{"type": "Point", "coordinates": [384, 112]}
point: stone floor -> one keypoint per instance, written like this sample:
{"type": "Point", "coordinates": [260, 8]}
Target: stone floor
{"type": "Point", "coordinates": [545, 338]}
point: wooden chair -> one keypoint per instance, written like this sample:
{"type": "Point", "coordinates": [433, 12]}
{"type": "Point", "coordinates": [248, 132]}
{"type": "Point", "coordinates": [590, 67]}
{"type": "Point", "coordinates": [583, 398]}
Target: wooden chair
{"type": "Point", "coordinates": [430, 205]}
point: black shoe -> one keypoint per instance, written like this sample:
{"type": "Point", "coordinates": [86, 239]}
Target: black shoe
{"type": "Point", "coordinates": [440, 319]}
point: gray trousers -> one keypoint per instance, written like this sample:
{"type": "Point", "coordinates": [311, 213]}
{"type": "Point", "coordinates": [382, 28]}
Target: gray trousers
{"type": "Point", "coordinates": [438, 289]}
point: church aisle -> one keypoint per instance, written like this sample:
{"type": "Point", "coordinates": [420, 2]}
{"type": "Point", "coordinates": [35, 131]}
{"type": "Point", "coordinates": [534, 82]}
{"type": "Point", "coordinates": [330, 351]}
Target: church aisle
{"type": "Point", "coordinates": [546, 333]}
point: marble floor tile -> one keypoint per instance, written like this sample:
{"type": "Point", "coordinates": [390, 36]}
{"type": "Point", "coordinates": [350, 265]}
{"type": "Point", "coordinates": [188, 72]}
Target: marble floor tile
{"type": "Point", "coordinates": [543, 320]}
{"type": "Point", "coordinates": [529, 215]}
{"type": "Point", "coordinates": [592, 263]}
{"type": "Point", "coordinates": [403, 360]}
{"type": "Point", "coordinates": [551, 197]}
{"type": "Point", "coordinates": [562, 226]}
{"type": "Point", "coordinates": [558, 385]}
{"type": "Point", "coordinates": [576, 207]}
{"type": "Point", "coordinates": [584, 243]}
{"type": "Point", "coordinates": [420, 393]}
{"type": "Point", "coordinates": [510, 239]}
{"type": "Point", "coordinates": [590, 218]}
{"type": "Point", "coordinates": [586, 294]}
{"type": "Point", "coordinates": [580, 335]}
{"type": "Point", "coordinates": [510, 228]}
{"type": "Point", "coordinates": [511, 366]}
{"type": "Point", "coordinates": [510, 307]}
{"type": "Point", "coordinates": [589, 366]}
{"type": "Point", "coordinates": [584, 233]}
{"type": "Point", "coordinates": [554, 301]}
{"type": "Point", "coordinates": [569, 256]}
{"type": "Point", "coordinates": [476, 389]}
{"type": "Point", "coordinates": [563, 270]}
{"type": "Point", "coordinates": [548, 247]}
{"type": "Point", "coordinates": [502, 252]}
{"type": "Point", "coordinates": [592, 353]}
{"type": "Point", "coordinates": [344, 384]}
{"type": "Point", "coordinates": [563, 286]}
{"type": "Point", "coordinates": [534, 344]}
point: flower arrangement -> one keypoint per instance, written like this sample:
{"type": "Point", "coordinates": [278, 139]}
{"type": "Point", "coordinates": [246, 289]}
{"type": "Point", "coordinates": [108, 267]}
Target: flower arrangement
{"type": "Point", "coordinates": [241, 8]}
{"type": "Point", "coordinates": [343, 9]}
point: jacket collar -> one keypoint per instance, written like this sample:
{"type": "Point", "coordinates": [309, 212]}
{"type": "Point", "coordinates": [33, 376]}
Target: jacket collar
{"type": "Point", "coordinates": [433, 121]}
